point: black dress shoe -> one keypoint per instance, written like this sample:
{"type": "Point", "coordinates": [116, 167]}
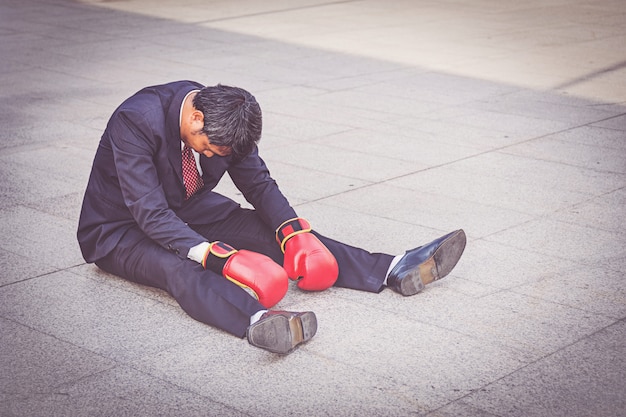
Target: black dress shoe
{"type": "Point", "coordinates": [421, 266]}
{"type": "Point", "coordinates": [281, 331]}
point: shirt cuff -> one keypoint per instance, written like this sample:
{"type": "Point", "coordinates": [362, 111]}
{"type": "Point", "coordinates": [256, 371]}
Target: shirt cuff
{"type": "Point", "coordinates": [197, 252]}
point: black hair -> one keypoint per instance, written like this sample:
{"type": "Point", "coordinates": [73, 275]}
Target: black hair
{"type": "Point", "coordinates": [232, 118]}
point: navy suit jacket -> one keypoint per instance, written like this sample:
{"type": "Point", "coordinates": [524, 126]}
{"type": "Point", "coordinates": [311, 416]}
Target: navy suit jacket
{"type": "Point", "coordinates": [136, 180]}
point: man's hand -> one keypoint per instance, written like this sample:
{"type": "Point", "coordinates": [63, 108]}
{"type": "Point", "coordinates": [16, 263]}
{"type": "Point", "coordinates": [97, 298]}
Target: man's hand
{"type": "Point", "coordinates": [259, 275]}
{"type": "Point", "coordinates": [306, 258]}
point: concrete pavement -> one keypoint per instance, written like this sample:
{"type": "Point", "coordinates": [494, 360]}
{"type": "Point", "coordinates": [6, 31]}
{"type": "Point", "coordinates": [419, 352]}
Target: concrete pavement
{"type": "Point", "coordinates": [387, 124]}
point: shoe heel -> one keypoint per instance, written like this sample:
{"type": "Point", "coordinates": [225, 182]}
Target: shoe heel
{"type": "Point", "coordinates": [281, 333]}
{"type": "Point", "coordinates": [413, 283]}
{"type": "Point", "coordinates": [449, 253]}
{"type": "Point", "coordinates": [309, 325]}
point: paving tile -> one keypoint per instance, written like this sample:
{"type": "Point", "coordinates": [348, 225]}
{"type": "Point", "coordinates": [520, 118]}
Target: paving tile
{"type": "Point", "coordinates": [18, 268]}
{"type": "Point", "coordinates": [583, 379]}
{"type": "Point", "coordinates": [296, 129]}
{"type": "Point", "coordinates": [46, 84]}
{"type": "Point", "coordinates": [599, 137]}
{"type": "Point", "coordinates": [373, 232]}
{"type": "Point", "coordinates": [35, 363]}
{"type": "Point", "coordinates": [522, 326]}
{"type": "Point", "coordinates": [442, 212]}
{"type": "Point", "coordinates": [49, 240]}
{"type": "Point", "coordinates": [586, 156]}
{"type": "Point", "coordinates": [616, 263]}
{"type": "Point", "coordinates": [341, 65]}
{"type": "Point", "coordinates": [110, 322]}
{"type": "Point", "coordinates": [600, 91]}
{"type": "Point", "coordinates": [481, 138]}
{"type": "Point", "coordinates": [92, 272]}
{"type": "Point", "coordinates": [30, 44]}
{"type": "Point", "coordinates": [406, 106]}
{"type": "Point", "coordinates": [333, 388]}
{"type": "Point", "coordinates": [17, 135]}
{"type": "Point", "coordinates": [302, 184]}
{"type": "Point", "coordinates": [592, 289]}
{"type": "Point", "coordinates": [65, 206]}
{"type": "Point", "coordinates": [460, 409]}
{"type": "Point", "coordinates": [308, 109]}
{"type": "Point", "coordinates": [517, 68]}
{"type": "Point", "coordinates": [386, 341]}
{"type": "Point", "coordinates": [485, 189]}
{"type": "Point", "coordinates": [351, 164]}
{"type": "Point", "coordinates": [8, 66]}
{"type": "Point", "coordinates": [504, 267]}
{"type": "Point", "coordinates": [604, 212]}
{"type": "Point", "coordinates": [560, 98]}
{"type": "Point", "coordinates": [274, 101]}
{"type": "Point", "coordinates": [539, 108]}
{"type": "Point", "coordinates": [355, 81]}
{"type": "Point", "coordinates": [530, 127]}
{"type": "Point", "coordinates": [617, 123]}
{"type": "Point", "coordinates": [62, 162]}
{"type": "Point", "coordinates": [119, 391]}
{"type": "Point", "coordinates": [56, 12]}
{"type": "Point", "coordinates": [580, 244]}
{"type": "Point", "coordinates": [530, 171]}
{"type": "Point", "coordinates": [422, 149]}
{"type": "Point", "coordinates": [439, 87]}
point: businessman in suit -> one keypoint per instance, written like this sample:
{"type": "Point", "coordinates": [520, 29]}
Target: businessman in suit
{"type": "Point", "coordinates": [149, 215]}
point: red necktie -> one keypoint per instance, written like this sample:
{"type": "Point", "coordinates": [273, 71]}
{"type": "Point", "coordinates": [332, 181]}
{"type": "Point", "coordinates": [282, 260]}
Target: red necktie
{"type": "Point", "coordinates": [191, 177]}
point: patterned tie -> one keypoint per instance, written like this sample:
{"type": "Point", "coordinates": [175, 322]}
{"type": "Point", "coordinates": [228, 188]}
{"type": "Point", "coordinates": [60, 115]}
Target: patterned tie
{"type": "Point", "coordinates": [191, 177]}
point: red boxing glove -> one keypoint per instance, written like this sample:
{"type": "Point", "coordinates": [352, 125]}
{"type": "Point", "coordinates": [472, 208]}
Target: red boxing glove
{"type": "Point", "coordinates": [306, 258]}
{"type": "Point", "coordinates": [259, 275]}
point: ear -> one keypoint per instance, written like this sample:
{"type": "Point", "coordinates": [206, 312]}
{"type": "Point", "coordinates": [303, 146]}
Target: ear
{"type": "Point", "coordinates": [197, 117]}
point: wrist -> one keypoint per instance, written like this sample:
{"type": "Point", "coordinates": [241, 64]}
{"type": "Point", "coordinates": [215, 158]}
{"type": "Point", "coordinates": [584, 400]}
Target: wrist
{"type": "Point", "coordinates": [216, 256]}
{"type": "Point", "coordinates": [198, 252]}
{"type": "Point", "coordinates": [289, 229]}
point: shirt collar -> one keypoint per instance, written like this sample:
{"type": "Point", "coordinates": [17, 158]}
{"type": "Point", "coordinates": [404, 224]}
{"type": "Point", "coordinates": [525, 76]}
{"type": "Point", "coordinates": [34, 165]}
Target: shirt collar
{"type": "Point", "coordinates": [180, 115]}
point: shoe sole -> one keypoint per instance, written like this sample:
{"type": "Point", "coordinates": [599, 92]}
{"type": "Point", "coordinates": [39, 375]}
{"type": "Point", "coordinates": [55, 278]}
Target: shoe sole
{"type": "Point", "coordinates": [281, 334]}
{"type": "Point", "coordinates": [437, 266]}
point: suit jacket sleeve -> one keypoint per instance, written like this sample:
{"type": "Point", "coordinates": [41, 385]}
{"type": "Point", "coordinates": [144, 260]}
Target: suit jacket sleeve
{"type": "Point", "coordinates": [253, 179]}
{"type": "Point", "coordinates": [135, 147]}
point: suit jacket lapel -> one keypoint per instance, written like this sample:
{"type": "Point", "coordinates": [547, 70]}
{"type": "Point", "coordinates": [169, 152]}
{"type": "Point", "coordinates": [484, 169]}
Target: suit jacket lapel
{"type": "Point", "coordinates": [172, 128]}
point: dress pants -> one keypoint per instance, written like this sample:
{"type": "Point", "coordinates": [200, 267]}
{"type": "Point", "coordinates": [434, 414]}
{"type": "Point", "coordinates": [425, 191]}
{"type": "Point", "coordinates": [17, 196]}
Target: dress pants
{"type": "Point", "coordinates": [208, 297]}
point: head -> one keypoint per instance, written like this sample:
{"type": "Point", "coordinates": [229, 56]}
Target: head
{"type": "Point", "coordinates": [232, 118]}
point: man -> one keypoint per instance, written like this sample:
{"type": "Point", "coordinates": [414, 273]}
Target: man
{"type": "Point", "coordinates": [149, 215]}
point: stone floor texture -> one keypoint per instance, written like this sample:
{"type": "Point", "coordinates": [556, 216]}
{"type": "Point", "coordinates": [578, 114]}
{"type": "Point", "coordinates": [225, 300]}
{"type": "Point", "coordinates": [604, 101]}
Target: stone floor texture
{"type": "Point", "coordinates": [386, 123]}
